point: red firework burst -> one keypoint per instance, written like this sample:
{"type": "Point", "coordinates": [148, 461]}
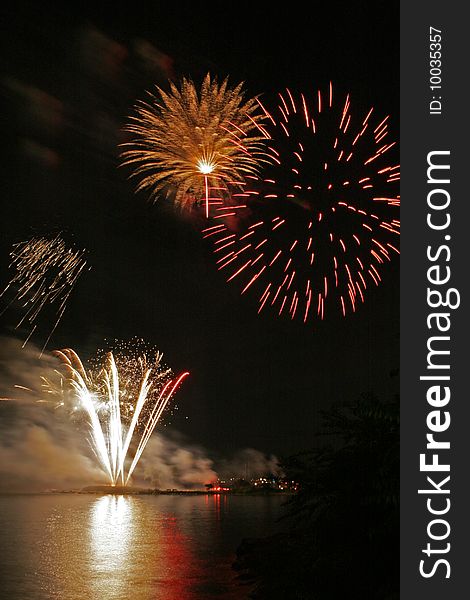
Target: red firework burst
{"type": "Point", "coordinates": [315, 229]}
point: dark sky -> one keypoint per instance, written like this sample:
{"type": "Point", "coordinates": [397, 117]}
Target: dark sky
{"type": "Point", "coordinates": [70, 76]}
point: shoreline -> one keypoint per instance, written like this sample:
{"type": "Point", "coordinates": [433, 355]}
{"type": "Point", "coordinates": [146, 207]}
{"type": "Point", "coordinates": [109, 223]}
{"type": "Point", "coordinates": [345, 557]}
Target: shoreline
{"type": "Point", "coordinates": [147, 492]}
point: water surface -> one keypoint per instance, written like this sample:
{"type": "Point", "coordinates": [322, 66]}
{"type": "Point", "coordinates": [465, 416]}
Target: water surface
{"type": "Point", "coordinates": [80, 546]}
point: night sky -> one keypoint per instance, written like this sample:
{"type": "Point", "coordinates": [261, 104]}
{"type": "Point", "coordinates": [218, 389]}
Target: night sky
{"type": "Point", "coordinates": [70, 76]}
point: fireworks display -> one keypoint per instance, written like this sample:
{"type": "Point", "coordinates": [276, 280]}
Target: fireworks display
{"type": "Point", "coordinates": [189, 141]}
{"type": "Point", "coordinates": [46, 271]}
{"type": "Point", "coordinates": [314, 230]}
{"type": "Point", "coordinates": [123, 396]}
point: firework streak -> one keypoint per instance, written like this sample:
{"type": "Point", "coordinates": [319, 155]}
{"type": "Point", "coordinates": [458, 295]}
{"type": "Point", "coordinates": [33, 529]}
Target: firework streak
{"type": "Point", "coordinates": [188, 141]}
{"type": "Point", "coordinates": [46, 273]}
{"type": "Point", "coordinates": [123, 400]}
{"type": "Point", "coordinates": [315, 229]}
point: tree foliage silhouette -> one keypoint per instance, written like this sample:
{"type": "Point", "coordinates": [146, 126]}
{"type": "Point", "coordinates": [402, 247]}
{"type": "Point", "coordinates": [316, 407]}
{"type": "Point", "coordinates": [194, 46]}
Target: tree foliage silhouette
{"type": "Point", "coordinates": [342, 534]}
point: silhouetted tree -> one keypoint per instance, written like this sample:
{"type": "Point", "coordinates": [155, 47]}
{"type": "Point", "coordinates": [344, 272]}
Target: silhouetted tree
{"type": "Point", "coordinates": [342, 539]}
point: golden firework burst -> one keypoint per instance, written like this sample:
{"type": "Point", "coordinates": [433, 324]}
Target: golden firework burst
{"type": "Point", "coordinates": [189, 142]}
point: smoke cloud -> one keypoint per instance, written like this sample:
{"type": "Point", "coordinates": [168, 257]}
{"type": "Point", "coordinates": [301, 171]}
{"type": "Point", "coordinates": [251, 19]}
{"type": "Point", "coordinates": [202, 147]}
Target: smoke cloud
{"type": "Point", "coordinates": [40, 448]}
{"type": "Point", "coordinates": [249, 464]}
{"type": "Point", "coordinates": [169, 463]}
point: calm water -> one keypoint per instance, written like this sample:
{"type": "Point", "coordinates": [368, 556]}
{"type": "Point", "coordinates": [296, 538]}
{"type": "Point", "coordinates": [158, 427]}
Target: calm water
{"type": "Point", "coordinates": [86, 547]}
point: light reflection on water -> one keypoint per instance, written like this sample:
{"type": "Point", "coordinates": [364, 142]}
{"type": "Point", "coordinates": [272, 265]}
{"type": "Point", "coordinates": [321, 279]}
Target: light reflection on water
{"type": "Point", "coordinates": [111, 531]}
{"type": "Point", "coordinates": [74, 547]}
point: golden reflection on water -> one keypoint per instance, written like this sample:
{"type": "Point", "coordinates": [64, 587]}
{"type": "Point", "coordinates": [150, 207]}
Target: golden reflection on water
{"type": "Point", "coordinates": [83, 547]}
{"type": "Point", "coordinates": [112, 532]}
{"type": "Point", "coordinates": [118, 548]}
{"type": "Point", "coordinates": [137, 553]}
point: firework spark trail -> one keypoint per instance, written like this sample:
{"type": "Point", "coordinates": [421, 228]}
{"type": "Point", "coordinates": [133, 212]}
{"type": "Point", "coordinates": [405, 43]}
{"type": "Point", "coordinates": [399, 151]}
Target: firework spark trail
{"type": "Point", "coordinates": [106, 398]}
{"type": "Point", "coordinates": [46, 273]}
{"type": "Point", "coordinates": [318, 224]}
{"type": "Point", "coordinates": [157, 411]}
{"type": "Point", "coordinates": [189, 140]}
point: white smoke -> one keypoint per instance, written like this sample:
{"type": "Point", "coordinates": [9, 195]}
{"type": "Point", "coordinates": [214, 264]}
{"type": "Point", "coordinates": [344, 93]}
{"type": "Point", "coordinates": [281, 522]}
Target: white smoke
{"type": "Point", "coordinates": [249, 464]}
{"type": "Point", "coordinates": [174, 463]}
{"type": "Point", "coordinates": [33, 460]}
{"type": "Point", "coordinates": [40, 447]}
